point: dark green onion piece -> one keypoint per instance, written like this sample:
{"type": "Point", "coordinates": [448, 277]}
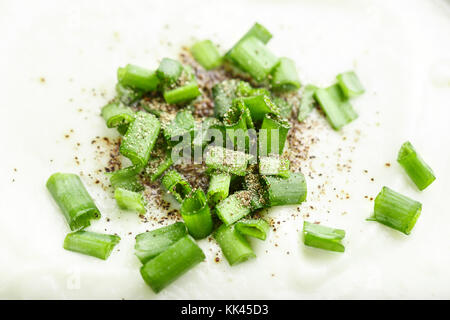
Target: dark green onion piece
{"type": "Point", "coordinates": [236, 122]}
{"type": "Point", "coordinates": [223, 94]}
{"type": "Point", "coordinates": [122, 129]}
{"type": "Point", "coordinates": [196, 215]}
{"type": "Point", "coordinates": [151, 243]}
{"type": "Point", "coordinates": [162, 167]}
{"type": "Point", "coordinates": [350, 84]}
{"type": "Point", "coordinates": [137, 78]}
{"type": "Point", "coordinates": [91, 243]}
{"type": "Point", "coordinates": [116, 114]}
{"type": "Point", "coordinates": [129, 200]}
{"type": "Point", "coordinates": [234, 207]}
{"type": "Point", "coordinates": [73, 199]}
{"type": "Point", "coordinates": [284, 76]}
{"type": "Point", "coordinates": [284, 106]}
{"type": "Point", "coordinates": [416, 168]}
{"type": "Point", "coordinates": [219, 187]}
{"type": "Point", "coordinates": [254, 185]}
{"type": "Point", "coordinates": [307, 103]}
{"type": "Point", "coordinates": [234, 245]}
{"type": "Point", "coordinates": [259, 106]}
{"type": "Point", "coordinates": [338, 110]}
{"type": "Point", "coordinates": [274, 166]}
{"type": "Point", "coordinates": [291, 190]}
{"type": "Point", "coordinates": [140, 138]}
{"type": "Point", "coordinates": [169, 70]}
{"type": "Point", "coordinates": [206, 53]}
{"type": "Point", "coordinates": [182, 124]}
{"type": "Point", "coordinates": [227, 160]}
{"type": "Point", "coordinates": [182, 94]}
{"type": "Point", "coordinates": [256, 228]}
{"type": "Point", "coordinates": [273, 126]}
{"type": "Point", "coordinates": [322, 237]}
{"type": "Point", "coordinates": [396, 211]}
{"type": "Point", "coordinates": [126, 178]}
{"type": "Point", "coordinates": [127, 95]}
{"type": "Point", "coordinates": [176, 185]}
{"type": "Point", "coordinates": [172, 263]}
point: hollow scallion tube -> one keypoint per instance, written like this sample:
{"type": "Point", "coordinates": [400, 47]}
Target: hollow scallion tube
{"type": "Point", "coordinates": [182, 124]}
{"type": "Point", "coordinates": [219, 187]}
{"type": "Point", "coordinates": [137, 78]}
{"type": "Point", "coordinates": [256, 228]}
{"type": "Point", "coordinates": [151, 243]}
{"type": "Point", "coordinates": [91, 243]}
{"type": "Point", "coordinates": [182, 94]}
{"type": "Point", "coordinates": [126, 178]}
{"type": "Point", "coordinates": [396, 211]}
{"type": "Point", "coordinates": [234, 207]}
{"type": "Point", "coordinates": [206, 53]}
{"type": "Point", "coordinates": [234, 245]}
{"type": "Point", "coordinates": [176, 185]}
{"type": "Point", "coordinates": [307, 103]}
{"type": "Point", "coordinates": [169, 71]}
{"type": "Point", "coordinates": [116, 114]}
{"type": "Point", "coordinates": [284, 191]}
{"type": "Point", "coordinates": [73, 199]}
{"type": "Point", "coordinates": [322, 237]}
{"type": "Point", "coordinates": [272, 135]}
{"type": "Point", "coordinates": [172, 263]}
{"type": "Point", "coordinates": [284, 76]}
{"type": "Point", "coordinates": [274, 166]}
{"type": "Point", "coordinates": [140, 138]}
{"type": "Point", "coordinates": [258, 31]}
{"type": "Point", "coordinates": [236, 122]}
{"type": "Point", "coordinates": [259, 106]}
{"type": "Point", "coordinates": [223, 94]}
{"type": "Point", "coordinates": [416, 168]}
{"type": "Point", "coordinates": [129, 200]}
{"type": "Point", "coordinates": [127, 95]}
{"type": "Point", "coordinates": [350, 84]}
{"type": "Point", "coordinates": [226, 160]}
{"type": "Point", "coordinates": [196, 215]}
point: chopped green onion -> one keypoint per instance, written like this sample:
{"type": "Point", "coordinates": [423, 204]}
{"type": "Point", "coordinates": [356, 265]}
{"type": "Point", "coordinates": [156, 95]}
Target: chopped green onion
{"type": "Point", "coordinates": [227, 160]}
{"type": "Point", "coordinates": [176, 185]}
{"type": "Point", "coordinates": [122, 129]}
{"type": "Point", "coordinates": [223, 94]}
{"type": "Point", "coordinates": [127, 95]}
{"type": "Point", "coordinates": [252, 56]}
{"type": "Point", "coordinates": [285, 77]}
{"type": "Point", "coordinates": [291, 190]}
{"type": "Point", "coordinates": [350, 84]}
{"type": "Point", "coordinates": [236, 122]}
{"type": "Point", "coordinates": [284, 107]}
{"type": "Point", "coordinates": [140, 138]}
{"type": "Point", "coordinates": [206, 53]}
{"type": "Point", "coordinates": [258, 31]}
{"type": "Point", "coordinates": [234, 207]}
{"type": "Point", "coordinates": [274, 166]}
{"type": "Point", "coordinates": [137, 78]}
{"type": "Point", "coordinates": [259, 106]}
{"type": "Point", "coordinates": [116, 114]}
{"type": "Point", "coordinates": [151, 243]}
{"type": "Point", "coordinates": [272, 135]}
{"type": "Point", "coordinates": [234, 245]}
{"type": "Point", "coordinates": [73, 199]}
{"type": "Point", "coordinates": [338, 110]}
{"type": "Point", "coordinates": [162, 167]}
{"type": "Point", "coordinates": [307, 103]}
{"type": "Point", "coordinates": [182, 94]}
{"type": "Point", "coordinates": [169, 70]}
{"type": "Point", "coordinates": [91, 243]}
{"type": "Point", "coordinates": [396, 211]}
{"type": "Point", "coordinates": [196, 215]}
{"type": "Point", "coordinates": [256, 228]}
{"type": "Point", "coordinates": [416, 168]}
{"type": "Point", "coordinates": [254, 185]}
{"type": "Point", "coordinates": [172, 263]}
{"type": "Point", "coordinates": [182, 124]}
{"type": "Point", "coordinates": [202, 130]}
{"type": "Point", "coordinates": [127, 179]}
{"type": "Point", "coordinates": [244, 89]}
{"type": "Point", "coordinates": [219, 187]}
{"type": "Point", "coordinates": [322, 237]}
{"type": "Point", "coordinates": [129, 200]}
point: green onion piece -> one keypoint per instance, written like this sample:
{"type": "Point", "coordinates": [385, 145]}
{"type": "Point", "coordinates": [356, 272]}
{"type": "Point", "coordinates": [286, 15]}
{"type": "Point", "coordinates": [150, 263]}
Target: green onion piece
{"type": "Point", "coordinates": [129, 200]}
{"type": "Point", "coordinates": [126, 178]}
{"type": "Point", "coordinates": [152, 243]}
{"type": "Point", "coordinates": [350, 84]}
{"type": "Point", "coordinates": [307, 103]}
{"type": "Point", "coordinates": [163, 166]}
{"type": "Point", "coordinates": [169, 70]}
{"type": "Point", "coordinates": [271, 128]}
{"type": "Point", "coordinates": [182, 94]}
{"type": "Point", "coordinates": [116, 114]}
{"type": "Point", "coordinates": [234, 245]}
{"type": "Point", "coordinates": [172, 263]}
{"type": "Point", "coordinates": [291, 190]}
{"type": "Point", "coordinates": [219, 187]}
{"type": "Point", "coordinates": [396, 211]}
{"type": "Point", "coordinates": [137, 78]}
{"type": "Point", "coordinates": [258, 31]}
{"type": "Point", "coordinates": [201, 132]}
{"type": "Point", "coordinates": [176, 185]}
{"type": "Point", "coordinates": [236, 122]}
{"type": "Point", "coordinates": [73, 199]}
{"type": "Point", "coordinates": [206, 53]}
{"type": "Point", "coordinates": [227, 160]}
{"type": "Point", "coordinates": [284, 107]}
{"type": "Point", "coordinates": [259, 106]}
{"type": "Point", "coordinates": [182, 124]}
{"type": "Point", "coordinates": [196, 215]}
{"type": "Point", "coordinates": [122, 129]}
{"type": "Point", "coordinates": [338, 110]}
{"type": "Point", "coordinates": [254, 185]}
{"type": "Point", "coordinates": [140, 138]}
{"type": "Point", "coordinates": [416, 168]}
{"type": "Point", "coordinates": [234, 207]}
{"type": "Point", "coordinates": [223, 94]}
{"type": "Point", "coordinates": [252, 56]}
{"type": "Point", "coordinates": [256, 228]}
{"type": "Point", "coordinates": [322, 237]}
{"type": "Point", "coordinates": [127, 95]}
{"type": "Point", "coordinates": [91, 243]}
{"type": "Point", "coordinates": [284, 76]}
{"type": "Point", "coordinates": [274, 166]}
{"type": "Point", "coordinates": [244, 89]}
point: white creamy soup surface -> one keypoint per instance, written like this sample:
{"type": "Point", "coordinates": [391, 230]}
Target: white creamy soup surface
{"type": "Point", "coordinates": [59, 62]}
